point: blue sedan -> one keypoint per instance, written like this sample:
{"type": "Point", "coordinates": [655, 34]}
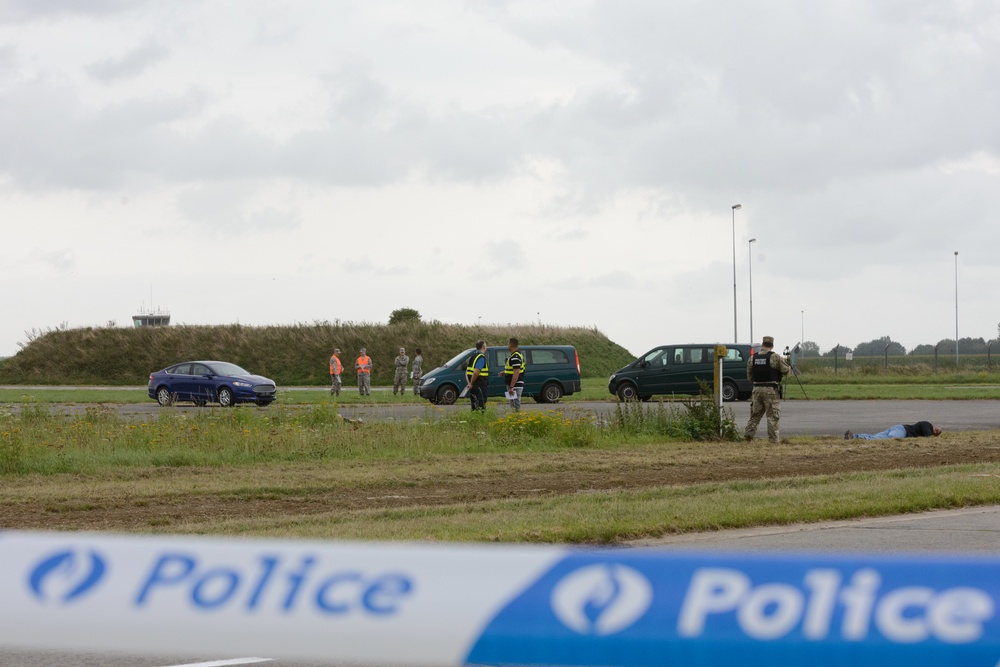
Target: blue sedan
{"type": "Point", "coordinates": [204, 381]}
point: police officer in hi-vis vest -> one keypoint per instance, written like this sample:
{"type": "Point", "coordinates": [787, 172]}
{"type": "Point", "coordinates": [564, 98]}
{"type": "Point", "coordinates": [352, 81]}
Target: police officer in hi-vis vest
{"type": "Point", "coordinates": [513, 374]}
{"type": "Point", "coordinates": [478, 376]}
{"type": "Point", "coordinates": [765, 369]}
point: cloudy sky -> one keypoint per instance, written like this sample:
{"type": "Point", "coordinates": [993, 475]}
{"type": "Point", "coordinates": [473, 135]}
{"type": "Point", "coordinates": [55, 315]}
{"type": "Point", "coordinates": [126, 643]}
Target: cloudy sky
{"type": "Point", "coordinates": [572, 162]}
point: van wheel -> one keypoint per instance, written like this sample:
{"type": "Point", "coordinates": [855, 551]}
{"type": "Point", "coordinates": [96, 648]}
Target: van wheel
{"type": "Point", "coordinates": [729, 391]}
{"type": "Point", "coordinates": [627, 392]}
{"type": "Point", "coordinates": [447, 395]}
{"type": "Point", "coordinates": [551, 393]}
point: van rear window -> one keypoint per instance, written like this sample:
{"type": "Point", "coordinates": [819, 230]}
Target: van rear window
{"type": "Point", "coordinates": [548, 357]}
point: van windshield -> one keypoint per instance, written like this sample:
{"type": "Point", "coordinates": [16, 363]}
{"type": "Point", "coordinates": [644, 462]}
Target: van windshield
{"type": "Point", "coordinates": [459, 358]}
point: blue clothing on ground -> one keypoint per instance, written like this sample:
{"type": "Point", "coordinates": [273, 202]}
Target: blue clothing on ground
{"type": "Point", "coordinates": [897, 431]}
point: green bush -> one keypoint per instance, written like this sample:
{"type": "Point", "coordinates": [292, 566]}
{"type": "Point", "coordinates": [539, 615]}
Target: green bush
{"type": "Point", "coordinates": [693, 419]}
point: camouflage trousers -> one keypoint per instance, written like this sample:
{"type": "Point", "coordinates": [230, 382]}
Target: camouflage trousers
{"type": "Point", "coordinates": [335, 383]}
{"type": "Point", "coordinates": [365, 384]}
{"type": "Point", "coordinates": [765, 400]}
{"type": "Point", "coordinates": [416, 381]}
{"type": "Point", "coordinates": [399, 380]}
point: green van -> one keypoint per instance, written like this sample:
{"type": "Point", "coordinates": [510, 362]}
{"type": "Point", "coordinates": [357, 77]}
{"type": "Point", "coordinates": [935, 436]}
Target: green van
{"type": "Point", "coordinates": [676, 369]}
{"type": "Point", "coordinates": [551, 372]}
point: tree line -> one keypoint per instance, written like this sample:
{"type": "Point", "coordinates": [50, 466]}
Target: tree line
{"type": "Point", "coordinates": [885, 345]}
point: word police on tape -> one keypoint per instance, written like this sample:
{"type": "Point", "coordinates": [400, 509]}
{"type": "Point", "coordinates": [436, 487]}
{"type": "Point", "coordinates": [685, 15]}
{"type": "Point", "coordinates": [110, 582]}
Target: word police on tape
{"type": "Point", "coordinates": [455, 605]}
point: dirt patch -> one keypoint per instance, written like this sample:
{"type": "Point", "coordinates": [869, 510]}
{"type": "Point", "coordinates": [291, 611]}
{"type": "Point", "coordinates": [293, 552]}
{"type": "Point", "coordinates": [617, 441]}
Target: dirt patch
{"type": "Point", "coordinates": [150, 500]}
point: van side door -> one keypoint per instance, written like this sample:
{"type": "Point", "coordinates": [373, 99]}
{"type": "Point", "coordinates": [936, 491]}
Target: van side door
{"type": "Point", "coordinates": [497, 359]}
{"type": "Point", "coordinates": [690, 363]}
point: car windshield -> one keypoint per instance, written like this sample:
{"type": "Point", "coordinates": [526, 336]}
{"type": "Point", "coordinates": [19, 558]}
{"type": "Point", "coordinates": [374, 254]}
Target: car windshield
{"type": "Point", "coordinates": [226, 368]}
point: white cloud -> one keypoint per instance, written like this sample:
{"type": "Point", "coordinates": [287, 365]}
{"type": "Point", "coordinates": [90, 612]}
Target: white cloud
{"type": "Point", "coordinates": [595, 147]}
{"type": "Point", "coordinates": [130, 64]}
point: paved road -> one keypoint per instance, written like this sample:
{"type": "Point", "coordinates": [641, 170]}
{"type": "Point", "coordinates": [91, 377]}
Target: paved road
{"type": "Point", "coordinates": [973, 530]}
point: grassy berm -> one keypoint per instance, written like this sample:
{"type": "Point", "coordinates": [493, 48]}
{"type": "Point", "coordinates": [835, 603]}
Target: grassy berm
{"type": "Point", "coordinates": [290, 355]}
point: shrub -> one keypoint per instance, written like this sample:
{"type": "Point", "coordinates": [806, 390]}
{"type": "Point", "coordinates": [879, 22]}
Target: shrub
{"type": "Point", "coordinates": [694, 419]}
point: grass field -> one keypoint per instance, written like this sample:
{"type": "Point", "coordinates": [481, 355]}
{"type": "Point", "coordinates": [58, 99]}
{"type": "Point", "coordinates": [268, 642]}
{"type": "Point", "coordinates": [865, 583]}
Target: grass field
{"type": "Point", "coordinates": [534, 477]}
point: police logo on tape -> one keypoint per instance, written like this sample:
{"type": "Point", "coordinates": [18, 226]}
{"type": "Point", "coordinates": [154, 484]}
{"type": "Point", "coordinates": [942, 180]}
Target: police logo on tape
{"type": "Point", "coordinates": [601, 599]}
{"type": "Point", "coordinates": [66, 575]}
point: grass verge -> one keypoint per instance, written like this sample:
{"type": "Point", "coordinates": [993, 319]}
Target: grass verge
{"type": "Point", "coordinates": [611, 517]}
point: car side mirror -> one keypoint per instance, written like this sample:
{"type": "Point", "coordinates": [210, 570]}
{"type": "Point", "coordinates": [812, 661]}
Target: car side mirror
{"type": "Point", "coordinates": [643, 364]}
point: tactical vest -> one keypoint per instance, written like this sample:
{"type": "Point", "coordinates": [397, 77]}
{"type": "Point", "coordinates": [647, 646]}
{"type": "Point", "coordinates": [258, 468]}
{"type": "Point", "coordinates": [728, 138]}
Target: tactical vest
{"type": "Point", "coordinates": [762, 372]}
{"type": "Point", "coordinates": [508, 370]}
{"type": "Point", "coordinates": [484, 372]}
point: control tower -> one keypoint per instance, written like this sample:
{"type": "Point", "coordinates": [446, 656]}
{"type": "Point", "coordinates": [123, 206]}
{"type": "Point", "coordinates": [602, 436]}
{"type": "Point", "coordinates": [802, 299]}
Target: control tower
{"type": "Point", "coordinates": [151, 318]}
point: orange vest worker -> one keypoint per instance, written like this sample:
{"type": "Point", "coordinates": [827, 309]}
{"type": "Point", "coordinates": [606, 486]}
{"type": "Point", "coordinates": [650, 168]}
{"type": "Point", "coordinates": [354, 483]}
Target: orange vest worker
{"type": "Point", "coordinates": [336, 368]}
{"type": "Point", "coordinates": [364, 364]}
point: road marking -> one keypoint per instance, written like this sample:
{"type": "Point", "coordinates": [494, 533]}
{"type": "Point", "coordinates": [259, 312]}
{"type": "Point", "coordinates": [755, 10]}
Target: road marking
{"type": "Point", "coordinates": [223, 663]}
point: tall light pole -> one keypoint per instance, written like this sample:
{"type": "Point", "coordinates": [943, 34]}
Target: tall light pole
{"type": "Point", "coordinates": [736, 207]}
{"type": "Point", "coordinates": [956, 310]}
{"type": "Point", "coordinates": [750, 266]}
{"type": "Point", "coordinates": [802, 333]}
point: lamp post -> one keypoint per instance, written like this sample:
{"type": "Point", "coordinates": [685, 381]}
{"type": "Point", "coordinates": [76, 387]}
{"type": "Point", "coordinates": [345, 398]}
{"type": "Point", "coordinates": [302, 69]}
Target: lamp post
{"type": "Point", "coordinates": [802, 333]}
{"type": "Point", "coordinates": [956, 310]}
{"type": "Point", "coordinates": [750, 267]}
{"type": "Point", "coordinates": [736, 207]}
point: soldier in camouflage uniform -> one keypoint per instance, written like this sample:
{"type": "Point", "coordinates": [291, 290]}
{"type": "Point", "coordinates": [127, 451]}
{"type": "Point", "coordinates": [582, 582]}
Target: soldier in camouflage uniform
{"type": "Point", "coordinates": [766, 369]}
{"type": "Point", "coordinates": [417, 371]}
{"type": "Point", "coordinates": [399, 380]}
{"type": "Point", "coordinates": [336, 369]}
{"type": "Point", "coordinates": [363, 366]}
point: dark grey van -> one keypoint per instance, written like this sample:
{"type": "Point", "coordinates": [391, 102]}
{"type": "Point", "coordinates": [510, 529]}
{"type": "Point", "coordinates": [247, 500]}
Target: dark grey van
{"type": "Point", "coordinates": [552, 371]}
{"type": "Point", "coordinates": [676, 369]}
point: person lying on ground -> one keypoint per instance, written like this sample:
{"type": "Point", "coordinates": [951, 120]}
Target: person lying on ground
{"type": "Point", "coordinates": [918, 430]}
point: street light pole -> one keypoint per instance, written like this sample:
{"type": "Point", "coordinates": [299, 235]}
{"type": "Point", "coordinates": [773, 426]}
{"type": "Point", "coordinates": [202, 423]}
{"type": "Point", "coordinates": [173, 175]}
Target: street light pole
{"type": "Point", "coordinates": [750, 266]}
{"type": "Point", "coordinates": [736, 207]}
{"type": "Point", "coordinates": [956, 311]}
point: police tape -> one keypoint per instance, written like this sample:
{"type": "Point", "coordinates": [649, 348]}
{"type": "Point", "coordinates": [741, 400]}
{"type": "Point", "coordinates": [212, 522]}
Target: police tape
{"type": "Point", "coordinates": [413, 604]}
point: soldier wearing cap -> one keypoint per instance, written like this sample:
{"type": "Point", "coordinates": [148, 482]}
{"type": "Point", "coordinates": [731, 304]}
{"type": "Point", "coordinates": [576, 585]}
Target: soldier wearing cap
{"type": "Point", "coordinates": [765, 369]}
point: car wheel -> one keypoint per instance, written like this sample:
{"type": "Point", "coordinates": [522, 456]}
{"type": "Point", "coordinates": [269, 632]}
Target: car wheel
{"type": "Point", "coordinates": [729, 391]}
{"type": "Point", "coordinates": [627, 392]}
{"type": "Point", "coordinates": [447, 395]}
{"type": "Point", "coordinates": [226, 397]}
{"type": "Point", "coordinates": [164, 397]}
{"type": "Point", "coordinates": [552, 392]}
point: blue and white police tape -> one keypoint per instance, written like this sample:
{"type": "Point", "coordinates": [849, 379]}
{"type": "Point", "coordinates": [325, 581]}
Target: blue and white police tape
{"type": "Point", "coordinates": [458, 604]}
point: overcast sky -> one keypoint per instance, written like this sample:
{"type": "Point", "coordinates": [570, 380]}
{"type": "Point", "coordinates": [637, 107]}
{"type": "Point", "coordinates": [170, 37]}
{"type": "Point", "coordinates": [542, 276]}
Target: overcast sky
{"type": "Point", "coordinates": [573, 163]}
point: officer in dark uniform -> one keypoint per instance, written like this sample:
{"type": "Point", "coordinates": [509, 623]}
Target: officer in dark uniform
{"type": "Point", "coordinates": [478, 376]}
{"type": "Point", "coordinates": [766, 370]}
